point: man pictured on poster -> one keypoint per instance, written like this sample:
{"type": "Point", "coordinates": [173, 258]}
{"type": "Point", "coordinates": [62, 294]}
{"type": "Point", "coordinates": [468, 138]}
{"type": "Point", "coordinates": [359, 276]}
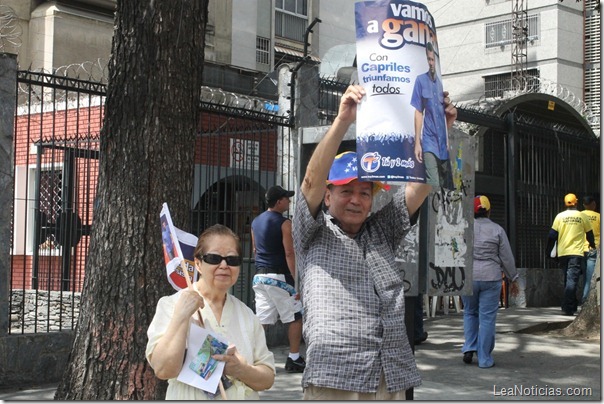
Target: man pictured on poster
{"type": "Point", "coordinates": [431, 140]}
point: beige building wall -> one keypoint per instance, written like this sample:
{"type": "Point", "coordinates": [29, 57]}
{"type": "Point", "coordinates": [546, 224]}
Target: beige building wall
{"type": "Point", "coordinates": [465, 60]}
{"type": "Point", "coordinates": [218, 37]}
{"type": "Point", "coordinates": [15, 44]}
{"type": "Point", "coordinates": [244, 23]}
{"type": "Point", "coordinates": [55, 35]}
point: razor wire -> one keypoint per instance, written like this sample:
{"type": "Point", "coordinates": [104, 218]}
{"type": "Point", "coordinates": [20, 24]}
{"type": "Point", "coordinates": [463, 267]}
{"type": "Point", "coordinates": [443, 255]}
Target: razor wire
{"type": "Point", "coordinates": [541, 86]}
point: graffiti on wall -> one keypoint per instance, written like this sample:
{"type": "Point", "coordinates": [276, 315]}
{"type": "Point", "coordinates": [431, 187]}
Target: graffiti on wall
{"type": "Point", "coordinates": [450, 223]}
{"type": "Point", "coordinates": [407, 256]}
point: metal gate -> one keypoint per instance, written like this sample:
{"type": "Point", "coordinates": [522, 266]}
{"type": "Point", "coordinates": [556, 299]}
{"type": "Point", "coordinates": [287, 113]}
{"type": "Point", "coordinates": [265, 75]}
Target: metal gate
{"type": "Point", "coordinates": [549, 164]}
{"type": "Point", "coordinates": [526, 171]}
{"type": "Point", "coordinates": [56, 139]}
{"type": "Point", "coordinates": [244, 146]}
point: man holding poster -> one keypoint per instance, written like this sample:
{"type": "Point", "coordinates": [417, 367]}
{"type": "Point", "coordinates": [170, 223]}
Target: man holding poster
{"type": "Point", "coordinates": [354, 311]}
{"type": "Point", "coordinates": [431, 140]}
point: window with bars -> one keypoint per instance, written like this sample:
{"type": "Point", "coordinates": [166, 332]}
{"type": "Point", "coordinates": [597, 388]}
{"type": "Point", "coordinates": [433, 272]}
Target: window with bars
{"type": "Point", "coordinates": [50, 192]}
{"type": "Point", "coordinates": [496, 85]}
{"type": "Point", "coordinates": [592, 72]}
{"type": "Point", "coordinates": [263, 46]}
{"type": "Point", "coordinates": [37, 206]}
{"type": "Point", "coordinates": [499, 33]}
{"type": "Point", "coordinates": [299, 7]}
{"type": "Point", "coordinates": [50, 207]}
{"type": "Point", "coordinates": [291, 19]}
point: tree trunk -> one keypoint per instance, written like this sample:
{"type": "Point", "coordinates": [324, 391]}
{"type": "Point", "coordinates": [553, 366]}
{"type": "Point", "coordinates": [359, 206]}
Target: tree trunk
{"type": "Point", "coordinates": [147, 144]}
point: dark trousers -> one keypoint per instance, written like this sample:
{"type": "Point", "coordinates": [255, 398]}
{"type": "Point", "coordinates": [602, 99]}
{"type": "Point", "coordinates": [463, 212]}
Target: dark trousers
{"type": "Point", "coordinates": [418, 318]}
{"type": "Point", "coordinates": [571, 266]}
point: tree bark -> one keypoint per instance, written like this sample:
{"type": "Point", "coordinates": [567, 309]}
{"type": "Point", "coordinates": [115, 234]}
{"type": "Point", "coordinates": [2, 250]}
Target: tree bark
{"type": "Point", "coordinates": [147, 145]}
{"type": "Point", "coordinates": [587, 323]}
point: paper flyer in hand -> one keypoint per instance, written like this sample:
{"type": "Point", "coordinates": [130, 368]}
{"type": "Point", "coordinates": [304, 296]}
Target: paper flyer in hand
{"type": "Point", "coordinates": [199, 369]}
{"type": "Point", "coordinates": [402, 118]}
{"type": "Point", "coordinates": [178, 248]}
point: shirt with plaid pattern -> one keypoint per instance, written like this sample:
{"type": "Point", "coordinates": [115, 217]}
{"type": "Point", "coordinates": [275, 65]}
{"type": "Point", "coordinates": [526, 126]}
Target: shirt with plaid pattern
{"type": "Point", "coordinates": [354, 308]}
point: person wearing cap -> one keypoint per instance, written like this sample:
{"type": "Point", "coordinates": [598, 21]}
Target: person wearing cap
{"type": "Point", "coordinates": [589, 203]}
{"type": "Point", "coordinates": [569, 231]}
{"type": "Point", "coordinates": [354, 312]}
{"type": "Point", "coordinates": [492, 255]}
{"type": "Point", "coordinates": [274, 282]}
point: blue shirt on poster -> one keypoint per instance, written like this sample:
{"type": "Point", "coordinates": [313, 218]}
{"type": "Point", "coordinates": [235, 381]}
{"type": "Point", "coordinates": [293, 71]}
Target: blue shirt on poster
{"type": "Point", "coordinates": [428, 98]}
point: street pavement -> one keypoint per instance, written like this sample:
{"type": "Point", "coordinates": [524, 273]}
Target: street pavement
{"type": "Point", "coordinates": [528, 365]}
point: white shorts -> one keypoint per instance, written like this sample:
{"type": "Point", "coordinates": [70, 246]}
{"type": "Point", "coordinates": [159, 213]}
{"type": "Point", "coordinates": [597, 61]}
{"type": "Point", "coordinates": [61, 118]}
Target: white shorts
{"type": "Point", "coordinates": [274, 302]}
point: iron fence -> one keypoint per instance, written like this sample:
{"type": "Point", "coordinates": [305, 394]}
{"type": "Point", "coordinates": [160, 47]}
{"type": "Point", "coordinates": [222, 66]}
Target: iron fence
{"type": "Point", "coordinates": [244, 146]}
{"type": "Point", "coordinates": [56, 139]}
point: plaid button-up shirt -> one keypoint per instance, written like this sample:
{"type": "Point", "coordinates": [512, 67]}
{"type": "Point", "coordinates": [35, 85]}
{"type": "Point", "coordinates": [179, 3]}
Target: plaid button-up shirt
{"type": "Point", "coordinates": [354, 308]}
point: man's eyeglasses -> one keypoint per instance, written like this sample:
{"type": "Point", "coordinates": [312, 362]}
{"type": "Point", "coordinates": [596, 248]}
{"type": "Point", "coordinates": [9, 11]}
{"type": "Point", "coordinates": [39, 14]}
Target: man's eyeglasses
{"type": "Point", "coordinates": [215, 259]}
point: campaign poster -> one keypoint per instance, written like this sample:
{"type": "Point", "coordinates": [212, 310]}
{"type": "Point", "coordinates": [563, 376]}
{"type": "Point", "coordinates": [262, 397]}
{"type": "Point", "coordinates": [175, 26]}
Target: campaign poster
{"type": "Point", "coordinates": [200, 370]}
{"type": "Point", "coordinates": [401, 125]}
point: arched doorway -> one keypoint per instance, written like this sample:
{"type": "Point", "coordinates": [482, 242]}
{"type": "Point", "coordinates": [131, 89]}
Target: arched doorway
{"type": "Point", "coordinates": [539, 149]}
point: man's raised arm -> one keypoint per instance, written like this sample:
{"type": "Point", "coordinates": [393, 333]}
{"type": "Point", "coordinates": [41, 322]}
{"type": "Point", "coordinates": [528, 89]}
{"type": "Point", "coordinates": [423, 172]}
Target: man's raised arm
{"type": "Point", "coordinates": [313, 185]}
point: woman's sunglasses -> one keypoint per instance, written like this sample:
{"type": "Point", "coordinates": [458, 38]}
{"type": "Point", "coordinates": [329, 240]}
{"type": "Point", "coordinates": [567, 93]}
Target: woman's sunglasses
{"type": "Point", "coordinates": [215, 259]}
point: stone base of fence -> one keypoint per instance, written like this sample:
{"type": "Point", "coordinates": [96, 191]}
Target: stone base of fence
{"type": "Point", "coordinates": [39, 311]}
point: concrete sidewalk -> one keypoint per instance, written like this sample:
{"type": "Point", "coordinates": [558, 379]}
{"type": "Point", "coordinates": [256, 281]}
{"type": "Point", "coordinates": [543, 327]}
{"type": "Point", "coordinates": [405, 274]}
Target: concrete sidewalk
{"type": "Point", "coordinates": [530, 366]}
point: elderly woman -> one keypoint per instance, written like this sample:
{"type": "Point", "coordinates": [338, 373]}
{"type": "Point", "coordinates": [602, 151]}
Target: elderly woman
{"type": "Point", "coordinates": [249, 365]}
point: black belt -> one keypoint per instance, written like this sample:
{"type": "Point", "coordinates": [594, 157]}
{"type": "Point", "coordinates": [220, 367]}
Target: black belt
{"type": "Point", "coordinates": [267, 270]}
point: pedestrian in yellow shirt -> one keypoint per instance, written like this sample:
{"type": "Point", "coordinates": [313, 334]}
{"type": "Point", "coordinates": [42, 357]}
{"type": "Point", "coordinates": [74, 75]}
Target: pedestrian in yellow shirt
{"type": "Point", "coordinates": [569, 230]}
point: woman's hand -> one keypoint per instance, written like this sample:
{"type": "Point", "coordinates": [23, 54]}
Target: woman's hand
{"type": "Point", "coordinates": [259, 377]}
{"type": "Point", "coordinates": [235, 364]}
{"type": "Point", "coordinates": [189, 301]}
{"type": "Point", "coordinates": [168, 354]}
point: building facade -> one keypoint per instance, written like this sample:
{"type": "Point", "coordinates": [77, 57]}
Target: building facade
{"type": "Point", "coordinates": [239, 156]}
{"type": "Point", "coordinates": [477, 45]}
{"type": "Point", "coordinates": [248, 41]}
{"type": "Point", "coordinates": [247, 38]}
